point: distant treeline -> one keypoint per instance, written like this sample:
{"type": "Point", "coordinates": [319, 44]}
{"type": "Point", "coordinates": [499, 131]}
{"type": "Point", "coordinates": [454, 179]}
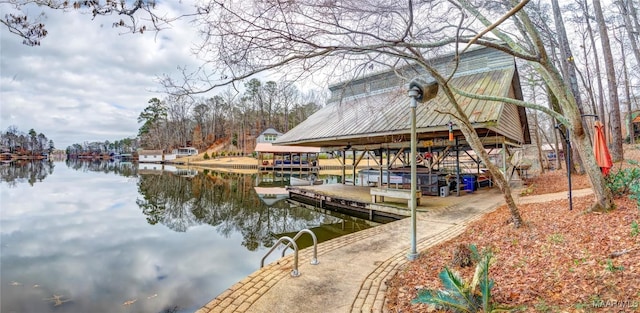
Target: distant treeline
{"type": "Point", "coordinates": [31, 143]}
{"type": "Point", "coordinates": [126, 145]}
{"type": "Point", "coordinates": [232, 117]}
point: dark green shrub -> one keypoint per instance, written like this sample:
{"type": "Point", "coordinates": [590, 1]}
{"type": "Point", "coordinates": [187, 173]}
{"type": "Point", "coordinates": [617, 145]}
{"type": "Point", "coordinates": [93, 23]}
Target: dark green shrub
{"type": "Point", "coordinates": [206, 156]}
{"type": "Point", "coordinates": [625, 182]}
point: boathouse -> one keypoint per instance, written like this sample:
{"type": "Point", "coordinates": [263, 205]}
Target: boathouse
{"type": "Point", "coordinates": [371, 114]}
{"type": "Point", "coordinates": [282, 157]}
{"type": "Point", "coordinates": [150, 156]}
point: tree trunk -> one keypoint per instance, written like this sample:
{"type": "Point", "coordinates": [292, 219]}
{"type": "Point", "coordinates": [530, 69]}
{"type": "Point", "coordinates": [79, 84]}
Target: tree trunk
{"type": "Point", "coordinates": [555, 105]}
{"type": "Point", "coordinates": [604, 198]}
{"type": "Point", "coordinates": [596, 62]}
{"type": "Point", "coordinates": [615, 125]}
{"type": "Point", "coordinates": [625, 6]}
{"type": "Point", "coordinates": [627, 92]}
{"type": "Point", "coordinates": [496, 174]}
{"type": "Point", "coordinates": [537, 131]}
{"type": "Point", "coordinates": [634, 47]}
{"type": "Point", "coordinates": [568, 71]}
{"type": "Point", "coordinates": [568, 66]}
{"type": "Point", "coordinates": [582, 144]}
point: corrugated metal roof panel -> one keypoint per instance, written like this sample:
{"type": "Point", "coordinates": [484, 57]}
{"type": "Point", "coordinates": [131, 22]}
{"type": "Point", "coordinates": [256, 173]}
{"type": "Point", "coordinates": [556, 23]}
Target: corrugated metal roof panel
{"type": "Point", "coordinates": [383, 116]}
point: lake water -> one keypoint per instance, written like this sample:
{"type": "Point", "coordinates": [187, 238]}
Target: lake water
{"type": "Point", "coordinates": [110, 237]}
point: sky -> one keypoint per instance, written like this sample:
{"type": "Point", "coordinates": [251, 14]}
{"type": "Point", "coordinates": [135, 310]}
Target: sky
{"type": "Point", "coordinates": [87, 81]}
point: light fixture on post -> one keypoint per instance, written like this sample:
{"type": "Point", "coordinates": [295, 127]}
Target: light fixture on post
{"type": "Point", "coordinates": [420, 90]}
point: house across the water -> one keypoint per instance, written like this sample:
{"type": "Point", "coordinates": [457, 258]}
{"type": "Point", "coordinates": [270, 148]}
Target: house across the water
{"type": "Point", "coordinates": [150, 156]}
{"type": "Point", "coordinates": [185, 151]}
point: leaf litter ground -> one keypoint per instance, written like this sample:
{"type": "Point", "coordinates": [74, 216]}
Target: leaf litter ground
{"type": "Point", "coordinates": [560, 261]}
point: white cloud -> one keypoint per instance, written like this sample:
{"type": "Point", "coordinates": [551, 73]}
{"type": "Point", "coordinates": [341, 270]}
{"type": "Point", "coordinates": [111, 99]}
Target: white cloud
{"type": "Point", "coordinates": [87, 81]}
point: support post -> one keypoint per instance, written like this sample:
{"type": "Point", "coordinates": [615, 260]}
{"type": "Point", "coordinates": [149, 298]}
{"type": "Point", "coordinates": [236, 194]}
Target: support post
{"type": "Point", "coordinates": [567, 157]}
{"type": "Point", "coordinates": [420, 89]}
{"type": "Point", "coordinates": [413, 94]}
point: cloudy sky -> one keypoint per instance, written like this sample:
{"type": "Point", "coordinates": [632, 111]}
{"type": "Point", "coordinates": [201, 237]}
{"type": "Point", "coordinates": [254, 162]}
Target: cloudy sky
{"type": "Point", "coordinates": [87, 81]}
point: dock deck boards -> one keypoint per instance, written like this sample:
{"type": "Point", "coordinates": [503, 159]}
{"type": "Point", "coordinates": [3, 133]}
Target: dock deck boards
{"type": "Point", "coordinates": [358, 199]}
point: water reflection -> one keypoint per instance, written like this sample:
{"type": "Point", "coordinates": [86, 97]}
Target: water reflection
{"type": "Point", "coordinates": [25, 171]}
{"type": "Point", "coordinates": [230, 203]}
{"type": "Point", "coordinates": [137, 240]}
{"type": "Point", "coordinates": [122, 168]}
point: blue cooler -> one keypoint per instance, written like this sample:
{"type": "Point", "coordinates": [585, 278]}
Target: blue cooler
{"type": "Point", "coordinates": [469, 182]}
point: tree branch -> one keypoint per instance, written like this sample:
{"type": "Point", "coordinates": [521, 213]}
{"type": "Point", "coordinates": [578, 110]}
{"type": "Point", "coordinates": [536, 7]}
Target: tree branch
{"type": "Point", "coordinates": [517, 102]}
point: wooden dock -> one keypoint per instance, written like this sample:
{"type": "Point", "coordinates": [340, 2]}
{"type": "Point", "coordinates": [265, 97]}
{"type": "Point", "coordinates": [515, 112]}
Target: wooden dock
{"type": "Point", "coordinates": [356, 201]}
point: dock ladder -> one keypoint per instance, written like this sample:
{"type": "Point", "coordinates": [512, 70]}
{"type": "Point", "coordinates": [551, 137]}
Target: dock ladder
{"type": "Point", "coordinates": [291, 242]}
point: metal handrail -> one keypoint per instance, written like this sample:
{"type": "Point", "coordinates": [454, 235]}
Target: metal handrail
{"type": "Point", "coordinates": [314, 260]}
{"type": "Point", "coordinates": [294, 272]}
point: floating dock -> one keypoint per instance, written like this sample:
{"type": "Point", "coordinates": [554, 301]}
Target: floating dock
{"type": "Point", "coordinates": [356, 201]}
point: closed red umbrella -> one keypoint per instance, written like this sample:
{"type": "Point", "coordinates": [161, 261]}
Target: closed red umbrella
{"type": "Point", "coordinates": [603, 158]}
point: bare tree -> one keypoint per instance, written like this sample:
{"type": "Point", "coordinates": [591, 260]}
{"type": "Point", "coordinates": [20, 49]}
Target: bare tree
{"type": "Point", "coordinates": [568, 69]}
{"type": "Point", "coordinates": [270, 97]}
{"type": "Point", "coordinates": [289, 97]}
{"type": "Point", "coordinates": [568, 65]}
{"type": "Point", "coordinates": [307, 36]}
{"type": "Point", "coordinates": [614, 121]}
{"type": "Point", "coordinates": [131, 16]}
{"type": "Point", "coordinates": [347, 38]}
{"type": "Point", "coordinates": [625, 7]}
{"type": "Point", "coordinates": [201, 115]}
{"type": "Point", "coordinates": [627, 88]}
{"type": "Point", "coordinates": [596, 59]}
{"type": "Point", "coordinates": [178, 111]}
{"type": "Point", "coordinates": [532, 49]}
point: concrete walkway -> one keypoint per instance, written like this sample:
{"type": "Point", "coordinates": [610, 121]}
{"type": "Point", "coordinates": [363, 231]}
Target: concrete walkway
{"type": "Point", "coordinates": [353, 268]}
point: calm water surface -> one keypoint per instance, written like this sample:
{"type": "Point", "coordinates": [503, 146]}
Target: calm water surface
{"type": "Point", "coordinates": [108, 237]}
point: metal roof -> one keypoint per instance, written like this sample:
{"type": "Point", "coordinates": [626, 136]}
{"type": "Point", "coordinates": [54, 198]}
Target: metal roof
{"type": "Point", "coordinates": [150, 152]}
{"type": "Point", "coordinates": [267, 147]}
{"type": "Point", "coordinates": [376, 118]}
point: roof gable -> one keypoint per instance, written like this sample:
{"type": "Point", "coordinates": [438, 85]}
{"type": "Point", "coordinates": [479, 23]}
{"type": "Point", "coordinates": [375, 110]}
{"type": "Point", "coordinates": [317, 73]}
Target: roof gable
{"type": "Point", "coordinates": [385, 118]}
{"type": "Point", "coordinates": [270, 130]}
{"type": "Point", "coordinates": [377, 116]}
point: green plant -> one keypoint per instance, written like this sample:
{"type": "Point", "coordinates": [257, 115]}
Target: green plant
{"type": "Point", "coordinates": [556, 238]}
{"type": "Point", "coordinates": [625, 182]}
{"type": "Point", "coordinates": [206, 156]}
{"type": "Point", "coordinates": [613, 268]}
{"type": "Point", "coordinates": [460, 296]}
{"type": "Point", "coordinates": [527, 191]}
{"type": "Point", "coordinates": [634, 229]}
{"type": "Point", "coordinates": [580, 261]}
{"type": "Point", "coordinates": [542, 306]}
{"type": "Point", "coordinates": [475, 255]}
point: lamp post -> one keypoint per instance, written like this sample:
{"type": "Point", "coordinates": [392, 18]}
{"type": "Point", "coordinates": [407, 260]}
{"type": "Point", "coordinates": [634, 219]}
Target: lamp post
{"type": "Point", "coordinates": [414, 93]}
{"type": "Point", "coordinates": [420, 90]}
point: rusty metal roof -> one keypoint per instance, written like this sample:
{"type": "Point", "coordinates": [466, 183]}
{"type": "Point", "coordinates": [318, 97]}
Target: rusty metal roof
{"type": "Point", "coordinates": [374, 118]}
